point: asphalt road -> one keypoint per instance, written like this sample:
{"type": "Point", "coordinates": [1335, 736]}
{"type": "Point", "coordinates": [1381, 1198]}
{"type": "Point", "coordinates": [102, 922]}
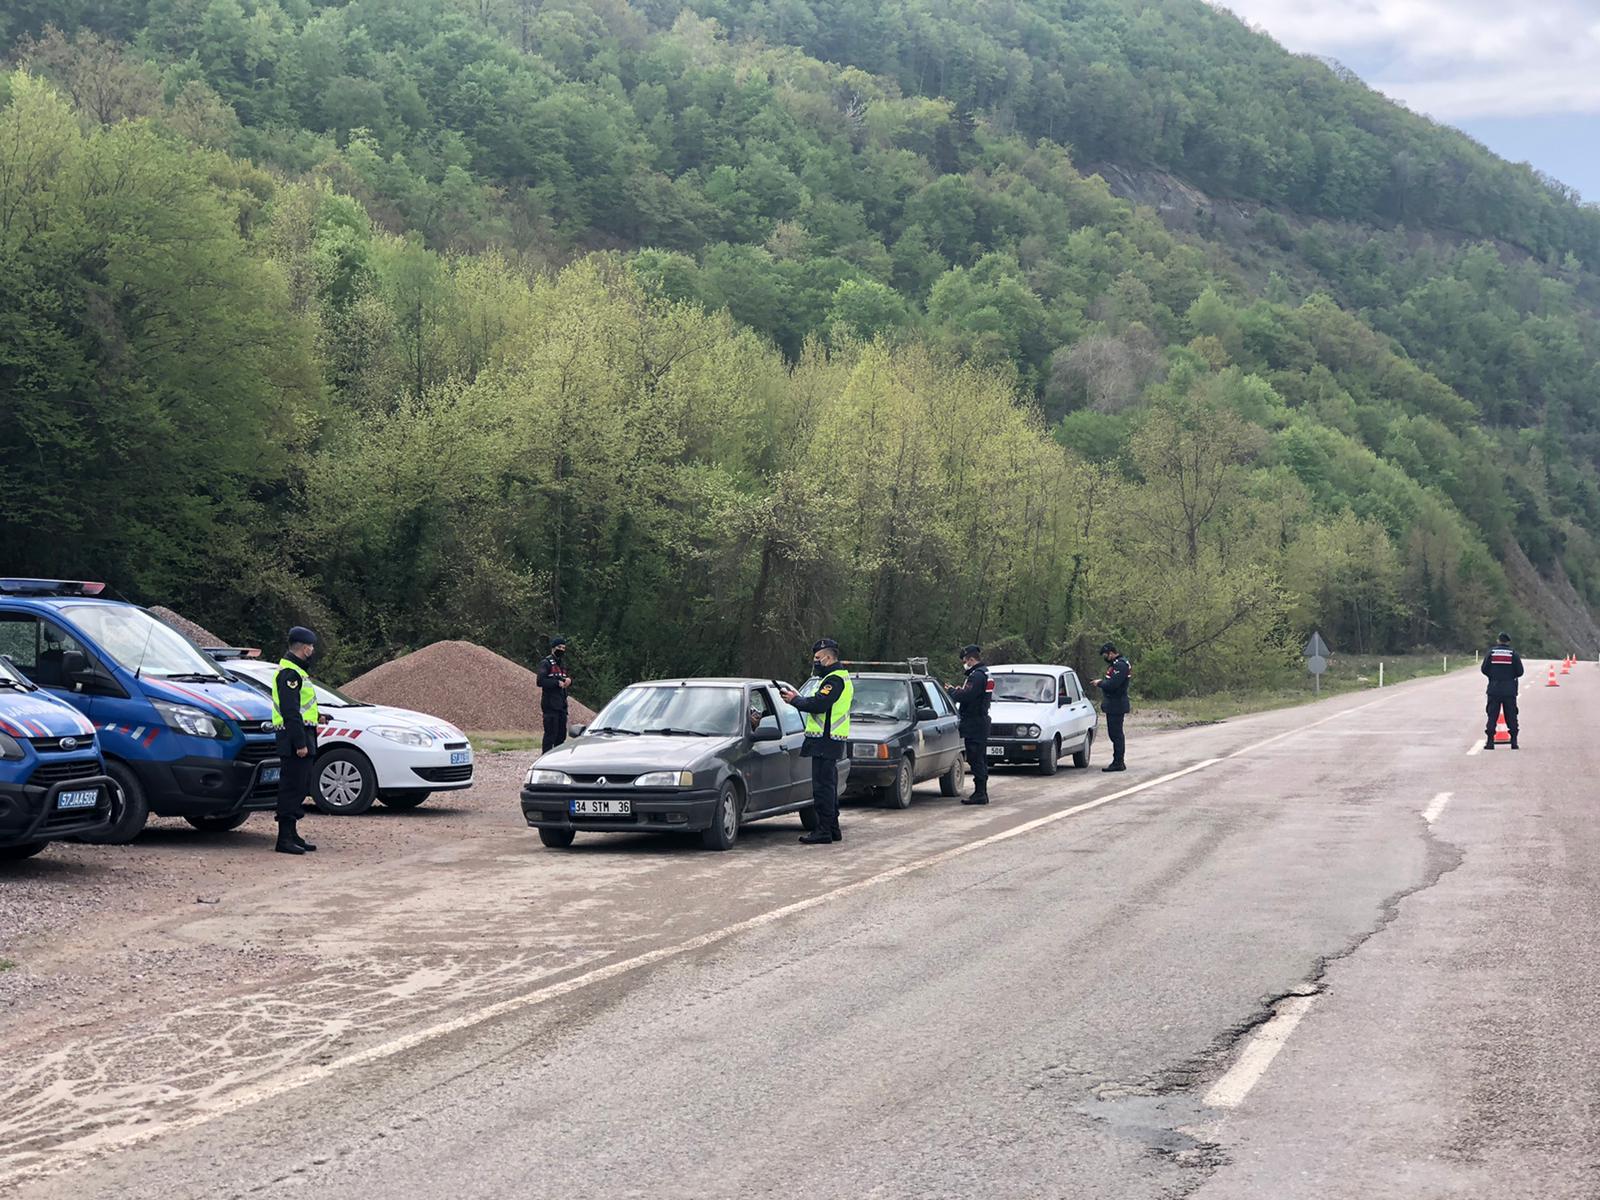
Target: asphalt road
{"type": "Point", "coordinates": [1320, 953]}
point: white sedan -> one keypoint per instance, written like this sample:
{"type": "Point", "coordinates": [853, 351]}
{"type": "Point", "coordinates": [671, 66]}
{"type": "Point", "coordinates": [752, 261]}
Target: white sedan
{"type": "Point", "coordinates": [1039, 713]}
{"type": "Point", "coordinates": [371, 751]}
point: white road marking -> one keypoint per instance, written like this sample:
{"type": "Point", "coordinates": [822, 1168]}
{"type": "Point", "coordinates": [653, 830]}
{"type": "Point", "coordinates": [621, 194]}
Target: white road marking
{"type": "Point", "coordinates": [1294, 732]}
{"type": "Point", "coordinates": [1246, 1072]}
{"type": "Point", "coordinates": [1436, 807]}
{"type": "Point", "coordinates": [1475, 748]}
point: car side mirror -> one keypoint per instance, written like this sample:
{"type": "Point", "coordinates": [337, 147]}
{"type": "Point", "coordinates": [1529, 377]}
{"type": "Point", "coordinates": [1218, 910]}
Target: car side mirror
{"type": "Point", "coordinates": [1063, 699]}
{"type": "Point", "coordinates": [576, 730]}
{"type": "Point", "coordinates": [766, 733]}
{"type": "Point", "coordinates": [925, 712]}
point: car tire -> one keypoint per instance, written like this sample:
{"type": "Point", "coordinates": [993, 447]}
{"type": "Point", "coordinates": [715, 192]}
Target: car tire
{"type": "Point", "coordinates": [129, 809]}
{"type": "Point", "coordinates": [218, 824]}
{"type": "Point", "coordinates": [808, 818]}
{"type": "Point", "coordinates": [344, 783]}
{"type": "Point", "coordinates": [898, 793]}
{"type": "Point", "coordinates": [21, 851]}
{"type": "Point", "coordinates": [402, 800]}
{"type": "Point", "coordinates": [950, 782]}
{"type": "Point", "coordinates": [557, 839]}
{"type": "Point", "coordinates": [1080, 758]}
{"type": "Point", "coordinates": [724, 828]}
{"type": "Point", "coordinates": [1048, 754]}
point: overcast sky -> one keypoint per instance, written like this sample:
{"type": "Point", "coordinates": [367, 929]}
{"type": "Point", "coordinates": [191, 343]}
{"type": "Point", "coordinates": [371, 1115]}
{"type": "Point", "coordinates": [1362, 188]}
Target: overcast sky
{"type": "Point", "coordinates": [1521, 76]}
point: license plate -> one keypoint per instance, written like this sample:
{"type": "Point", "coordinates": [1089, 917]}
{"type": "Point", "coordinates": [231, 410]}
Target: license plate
{"type": "Point", "coordinates": [460, 758]}
{"type": "Point", "coordinates": [997, 751]}
{"type": "Point", "coordinates": [270, 774]}
{"type": "Point", "coordinates": [602, 808]}
{"type": "Point", "coordinates": [85, 799]}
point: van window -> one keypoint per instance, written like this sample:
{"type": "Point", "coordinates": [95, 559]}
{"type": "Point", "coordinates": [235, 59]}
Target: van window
{"type": "Point", "coordinates": [36, 646]}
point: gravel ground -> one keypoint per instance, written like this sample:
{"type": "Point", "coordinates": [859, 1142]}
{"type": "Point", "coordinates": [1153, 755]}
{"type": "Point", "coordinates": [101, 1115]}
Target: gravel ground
{"type": "Point", "coordinates": [78, 920]}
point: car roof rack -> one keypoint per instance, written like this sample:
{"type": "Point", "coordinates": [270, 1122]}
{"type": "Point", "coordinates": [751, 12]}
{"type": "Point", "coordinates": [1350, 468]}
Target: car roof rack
{"type": "Point", "coordinates": [910, 666]}
{"type": "Point", "coordinates": [50, 587]}
{"type": "Point", "coordinates": [231, 653]}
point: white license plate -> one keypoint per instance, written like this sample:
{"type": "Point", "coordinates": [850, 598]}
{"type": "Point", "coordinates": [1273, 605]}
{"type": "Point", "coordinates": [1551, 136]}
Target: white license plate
{"type": "Point", "coordinates": [271, 774]}
{"type": "Point", "coordinates": [85, 799]}
{"type": "Point", "coordinates": [997, 751]}
{"type": "Point", "coordinates": [460, 757]}
{"type": "Point", "coordinates": [602, 808]}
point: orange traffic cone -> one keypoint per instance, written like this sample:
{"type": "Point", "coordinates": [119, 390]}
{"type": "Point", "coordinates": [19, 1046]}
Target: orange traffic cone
{"type": "Point", "coordinates": [1566, 666]}
{"type": "Point", "coordinates": [1502, 735]}
{"type": "Point", "coordinates": [1551, 682]}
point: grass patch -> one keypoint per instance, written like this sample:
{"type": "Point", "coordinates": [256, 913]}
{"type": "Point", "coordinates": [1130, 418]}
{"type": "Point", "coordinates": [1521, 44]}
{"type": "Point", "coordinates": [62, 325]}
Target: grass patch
{"type": "Point", "coordinates": [7, 965]}
{"type": "Point", "coordinates": [1346, 673]}
{"type": "Point", "coordinates": [494, 741]}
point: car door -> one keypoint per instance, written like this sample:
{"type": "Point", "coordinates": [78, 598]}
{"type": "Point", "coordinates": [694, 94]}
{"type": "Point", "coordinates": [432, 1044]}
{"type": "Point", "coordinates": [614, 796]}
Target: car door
{"type": "Point", "coordinates": [794, 736]}
{"type": "Point", "coordinates": [768, 775]}
{"type": "Point", "coordinates": [1078, 710]}
{"type": "Point", "coordinates": [940, 737]}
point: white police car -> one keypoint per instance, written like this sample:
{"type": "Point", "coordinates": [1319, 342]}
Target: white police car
{"type": "Point", "coordinates": [369, 751]}
{"type": "Point", "coordinates": [1039, 712]}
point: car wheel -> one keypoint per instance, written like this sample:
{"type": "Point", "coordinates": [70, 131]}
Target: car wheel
{"type": "Point", "coordinates": [898, 793]}
{"type": "Point", "coordinates": [950, 782]}
{"type": "Point", "coordinates": [1080, 758]}
{"type": "Point", "coordinates": [1048, 753]}
{"type": "Point", "coordinates": [129, 809]}
{"type": "Point", "coordinates": [402, 800]}
{"type": "Point", "coordinates": [724, 830]}
{"type": "Point", "coordinates": [218, 824]}
{"type": "Point", "coordinates": [808, 818]}
{"type": "Point", "coordinates": [345, 783]}
{"type": "Point", "coordinates": [557, 839]}
{"type": "Point", "coordinates": [21, 851]}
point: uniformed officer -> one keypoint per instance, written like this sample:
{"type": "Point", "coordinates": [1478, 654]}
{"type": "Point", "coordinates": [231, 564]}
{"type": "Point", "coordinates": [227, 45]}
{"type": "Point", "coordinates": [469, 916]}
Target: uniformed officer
{"type": "Point", "coordinates": [294, 720]}
{"type": "Point", "coordinates": [827, 712]}
{"type": "Point", "coordinates": [972, 698]}
{"type": "Point", "coordinates": [554, 683]}
{"type": "Point", "coordinates": [1114, 703]}
{"type": "Point", "coordinates": [1502, 667]}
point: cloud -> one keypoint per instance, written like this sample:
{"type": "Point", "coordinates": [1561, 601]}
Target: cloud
{"type": "Point", "coordinates": [1452, 59]}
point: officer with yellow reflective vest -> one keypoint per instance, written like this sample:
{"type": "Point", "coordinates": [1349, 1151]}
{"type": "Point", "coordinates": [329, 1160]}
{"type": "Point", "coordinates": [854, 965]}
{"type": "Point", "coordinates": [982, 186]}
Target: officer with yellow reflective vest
{"type": "Point", "coordinates": [827, 744]}
{"type": "Point", "coordinates": [294, 720]}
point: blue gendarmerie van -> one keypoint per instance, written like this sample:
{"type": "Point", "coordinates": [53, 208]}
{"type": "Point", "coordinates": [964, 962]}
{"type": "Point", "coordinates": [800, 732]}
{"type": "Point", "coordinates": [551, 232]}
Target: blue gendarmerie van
{"type": "Point", "coordinates": [179, 737]}
{"type": "Point", "coordinates": [52, 782]}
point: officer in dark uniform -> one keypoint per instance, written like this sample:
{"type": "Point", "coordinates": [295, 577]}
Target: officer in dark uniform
{"type": "Point", "coordinates": [1502, 667]}
{"type": "Point", "coordinates": [827, 743]}
{"type": "Point", "coordinates": [972, 698]}
{"type": "Point", "coordinates": [294, 721]}
{"type": "Point", "coordinates": [1114, 703]}
{"type": "Point", "coordinates": [554, 683]}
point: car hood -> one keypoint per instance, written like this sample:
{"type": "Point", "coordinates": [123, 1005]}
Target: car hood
{"type": "Point", "coordinates": [233, 700]}
{"type": "Point", "coordinates": [596, 753]}
{"type": "Point", "coordinates": [364, 716]}
{"type": "Point", "coordinates": [1019, 712]}
{"type": "Point", "coordinates": [869, 729]}
{"type": "Point", "coordinates": [38, 714]}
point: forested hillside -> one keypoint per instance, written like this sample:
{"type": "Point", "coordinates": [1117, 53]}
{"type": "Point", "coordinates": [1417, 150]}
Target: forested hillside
{"type": "Point", "coordinates": [696, 329]}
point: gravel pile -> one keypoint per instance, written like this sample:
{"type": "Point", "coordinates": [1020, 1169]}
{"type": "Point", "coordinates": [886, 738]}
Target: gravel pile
{"type": "Point", "coordinates": [470, 686]}
{"type": "Point", "coordinates": [198, 634]}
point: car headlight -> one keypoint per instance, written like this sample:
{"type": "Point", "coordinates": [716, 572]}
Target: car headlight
{"type": "Point", "coordinates": [869, 750]}
{"type": "Point", "coordinates": [403, 734]}
{"type": "Point", "coordinates": [1031, 731]}
{"type": "Point", "coordinates": [10, 747]}
{"type": "Point", "coordinates": [541, 778]}
{"type": "Point", "coordinates": [665, 779]}
{"type": "Point", "coordinates": [197, 722]}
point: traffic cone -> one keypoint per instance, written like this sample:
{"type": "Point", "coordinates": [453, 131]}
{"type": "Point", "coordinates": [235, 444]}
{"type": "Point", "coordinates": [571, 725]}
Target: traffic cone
{"type": "Point", "coordinates": [1566, 666]}
{"type": "Point", "coordinates": [1552, 680]}
{"type": "Point", "coordinates": [1502, 735]}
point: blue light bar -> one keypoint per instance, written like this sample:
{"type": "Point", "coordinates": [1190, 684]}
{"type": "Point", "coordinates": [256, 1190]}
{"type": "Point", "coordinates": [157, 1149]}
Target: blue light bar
{"type": "Point", "coordinates": [50, 587]}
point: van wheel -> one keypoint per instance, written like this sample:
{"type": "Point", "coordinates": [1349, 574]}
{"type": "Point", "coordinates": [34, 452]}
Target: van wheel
{"type": "Point", "coordinates": [129, 809]}
{"type": "Point", "coordinates": [557, 839]}
{"type": "Point", "coordinates": [1048, 753]}
{"type": "Point", "coordinates": [19, 852]}
{"type": "Point", "coordinates": [950, 782]}
{"type": "Point", "coordinates": [345, 783]}
{"type": "Point", "coordinates": [898, 793]}
{"type": "Point", "coordinates": [218, 824]}
{"type": "Point", "coordinates": [724, 830]}
{"type": "Point", "coordinates": [1080, 758]}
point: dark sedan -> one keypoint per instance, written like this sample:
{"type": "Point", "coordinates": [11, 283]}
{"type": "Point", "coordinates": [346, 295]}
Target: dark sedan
{"type": "Point", "coordinates": [902, 731]}
{"type": "Point", "coordinates": [700, 756]}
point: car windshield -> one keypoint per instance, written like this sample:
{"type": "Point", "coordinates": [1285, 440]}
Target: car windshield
{"type": "Point", "coordinates": [137, 642]}
{"type": "Point", "coordinates": [876, 699]}
{"type": "Point", "coordinates": [9, 675]}
{"type": "Point", "coordinates": [685, 710]}
{"type": "Point", "coordinates": [1025, 689]}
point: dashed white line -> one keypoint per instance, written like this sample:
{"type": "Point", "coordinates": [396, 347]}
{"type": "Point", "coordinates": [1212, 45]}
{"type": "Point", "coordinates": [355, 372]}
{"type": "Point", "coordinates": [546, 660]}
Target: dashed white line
{"type": "Point", "coordinates": [1246, 1072]}
{"type": "Point", "coordinates": [1475, 748]}
{"type": "Point", "coordinates": [1436, 807]}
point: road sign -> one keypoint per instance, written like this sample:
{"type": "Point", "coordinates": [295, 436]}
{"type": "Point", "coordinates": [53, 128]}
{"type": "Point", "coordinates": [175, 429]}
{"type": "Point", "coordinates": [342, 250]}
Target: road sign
{"type": "Point", "coordinates": [1316, 664]}
{"type": "Point", "coordinates": [1316, 647]}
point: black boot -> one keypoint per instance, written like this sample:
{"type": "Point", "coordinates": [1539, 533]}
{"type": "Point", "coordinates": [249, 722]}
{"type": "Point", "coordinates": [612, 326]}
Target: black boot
{"type": "Point", "coordinates": [1118, 765]}
{"type": "Point", "coordinates": [1513, 742]}
{"type": "Point", "coordinates": [288, 843]}
{"type": "Point", "coordinates": [818, 837]}
{"type": "Point", "coordinates": [1488, 743]}
{"type": "Point", "coordinates": [977, 798]}
{"type": "Point", "coordinates": [301, 842]}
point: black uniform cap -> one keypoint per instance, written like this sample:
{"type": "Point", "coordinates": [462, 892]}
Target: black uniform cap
{"type": "Point", "coordinates": [301, 634]}
{"type": "Point", "coordinates": [1505, 639]}
{"type": "Point", "coordinates": [972, 651]}
{"type": "Point", "coordinates": [1108, 648]}
{"type": "Point", "coordinates": [825, 644]}
{"type": "Point", "coordinates": [558, 640]}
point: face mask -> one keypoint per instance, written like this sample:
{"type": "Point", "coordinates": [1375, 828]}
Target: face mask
{"type": "Point", "coordinates": [559, 652]}
{"type": "Point", "coordinates": [818, 667]}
